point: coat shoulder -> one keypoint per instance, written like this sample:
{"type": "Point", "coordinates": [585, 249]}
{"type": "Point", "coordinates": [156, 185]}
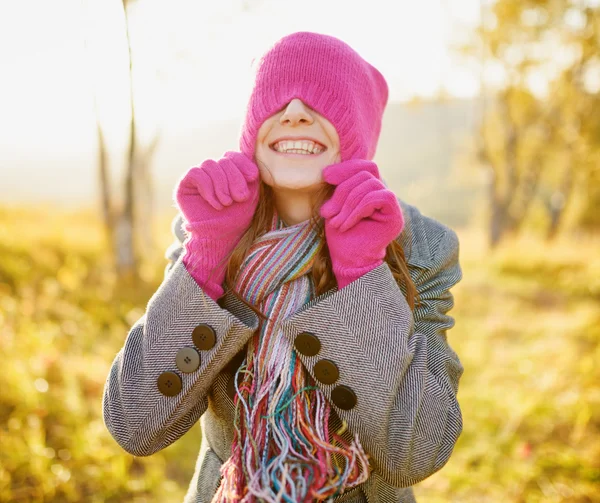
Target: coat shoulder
{"type": "Point", "coordinates": [424, 238]}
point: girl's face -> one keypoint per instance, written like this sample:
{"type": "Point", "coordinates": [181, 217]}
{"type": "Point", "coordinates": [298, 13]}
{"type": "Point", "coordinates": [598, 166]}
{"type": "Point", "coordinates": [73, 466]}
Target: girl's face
{"type": "Point", "coordinates": [294, 145]}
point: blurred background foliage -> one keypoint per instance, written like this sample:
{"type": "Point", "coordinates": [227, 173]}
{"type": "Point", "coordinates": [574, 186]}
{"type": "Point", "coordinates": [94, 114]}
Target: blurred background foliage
{"type": "Point", "coordinates": [63, 313]}
{"type": "Point", "coordinates": [540, 151]}
{"type": "Point", "coordinates": [518, 179]}
{"type": "Point", "coordinates": [527, 331]}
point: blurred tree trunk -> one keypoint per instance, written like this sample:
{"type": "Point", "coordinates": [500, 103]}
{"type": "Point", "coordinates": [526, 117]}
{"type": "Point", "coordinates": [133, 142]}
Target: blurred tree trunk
{"type": "Point", "coordinates": [513, 179]}
{"type": "Point", "coordinates": [105, 192]}
{"type": "Point", "coordinates": [128, 228]}
{"type": "Point", "coordinates": [126, 256]}
{"type": "Point", "coordinates": [558, 201]}
{"type": "Point", "coordinates": [536, 148]}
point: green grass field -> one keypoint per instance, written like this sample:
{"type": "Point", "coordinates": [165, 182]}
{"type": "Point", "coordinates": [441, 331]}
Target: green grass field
{"type": "Point", "coordinates": [527, 331]}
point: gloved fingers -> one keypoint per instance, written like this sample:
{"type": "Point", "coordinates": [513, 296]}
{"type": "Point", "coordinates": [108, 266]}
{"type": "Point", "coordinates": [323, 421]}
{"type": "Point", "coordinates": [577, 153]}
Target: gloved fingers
{"type": "Point", "coordinates": [355, 199]}
{"type": "Point", "coordinates": [205, 185]}
{"type": "Point", "coordinates": [188, 183]}
{"type": "Point", "coordinates": [391, 212]}
{"type": "Point", "coordinates": [238, 187]}
{"type": "Point", "coordinates": [335, 204]}
{"type": "Point", "coordinates": [371, 203]}
{"type": "Point", "coordinates": [247, 167]}
{"type": "Point", "coordinates": [220, 183]}
{"type": "Point", "coordinates": [194, 183]}
{"type": "Point", "coordinates": [335, 174]}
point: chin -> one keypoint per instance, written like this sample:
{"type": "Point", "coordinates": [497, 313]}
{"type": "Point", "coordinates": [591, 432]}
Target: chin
{"type": "Point", "coordinates": [293, 185]}
{"type": "Point", "coordinates": [290, 177]}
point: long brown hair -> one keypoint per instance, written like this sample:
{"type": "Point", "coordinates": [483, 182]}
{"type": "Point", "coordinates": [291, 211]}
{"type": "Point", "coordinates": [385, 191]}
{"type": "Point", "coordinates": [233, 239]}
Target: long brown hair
{"type": "Point", "coordinates": [322, 272]}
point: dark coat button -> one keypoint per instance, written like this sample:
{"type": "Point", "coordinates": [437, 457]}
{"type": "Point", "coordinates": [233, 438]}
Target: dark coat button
{"type": "Point", "coordinates": [204, 337]}
{"type": "Point", "coordinates": [187, 359]}
{"type": "Point", "coordinates": [307, 344]}
{"type": "Point", "coordinates": [326, 371]}
{"type": "Point", "coordinates": [169, 383]}
{"type": "Point", "coordinates": [343, 397]}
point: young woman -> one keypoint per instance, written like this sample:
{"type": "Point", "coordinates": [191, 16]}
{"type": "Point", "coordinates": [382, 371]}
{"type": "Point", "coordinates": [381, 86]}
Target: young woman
{"type": "Point", "coordinates": [303, 313]}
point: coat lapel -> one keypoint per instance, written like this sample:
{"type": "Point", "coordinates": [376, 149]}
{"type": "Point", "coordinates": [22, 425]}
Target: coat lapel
{"type": "Point", "coordinates": [413, 239]}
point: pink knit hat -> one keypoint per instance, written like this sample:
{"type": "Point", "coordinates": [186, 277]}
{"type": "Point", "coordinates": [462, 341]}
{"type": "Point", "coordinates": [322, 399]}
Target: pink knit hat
{"type": "Point", "coordinates": [331, 78]}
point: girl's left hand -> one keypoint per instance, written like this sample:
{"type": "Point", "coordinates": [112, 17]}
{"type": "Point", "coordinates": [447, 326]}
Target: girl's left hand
{"type": "Point", "coordinates": [361, 219]}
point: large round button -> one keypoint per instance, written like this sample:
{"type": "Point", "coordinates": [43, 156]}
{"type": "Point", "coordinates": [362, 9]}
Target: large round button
{"type": "Point", "coordinates": [204, 337]}
{"type": "Point", "coordinates": [326, 371]}
{"type": "Point", "coordinates": [343, 397]}
{"type": "Point", "coordinates": [187, 359]}
{"type": "Point", "coordinates": [307, 344]}
{"type": "Point", "coordinates": [169, 383]}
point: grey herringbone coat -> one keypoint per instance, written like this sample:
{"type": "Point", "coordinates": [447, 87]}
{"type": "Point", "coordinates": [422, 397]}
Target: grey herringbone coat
{"type": "Point", "coordinates": [399, 364]}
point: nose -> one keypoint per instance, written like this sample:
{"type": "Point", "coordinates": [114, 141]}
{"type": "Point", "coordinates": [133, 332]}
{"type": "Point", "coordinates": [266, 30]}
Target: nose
{"type": "Point", "coordinates": [296, 112]}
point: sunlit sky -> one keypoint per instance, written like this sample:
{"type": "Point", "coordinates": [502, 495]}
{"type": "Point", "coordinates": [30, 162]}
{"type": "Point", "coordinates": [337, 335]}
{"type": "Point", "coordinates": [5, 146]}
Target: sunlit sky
{"type": "Point", "coordinates": [192, 69]}
{"type": "Point", "coordinates": [193, 57]}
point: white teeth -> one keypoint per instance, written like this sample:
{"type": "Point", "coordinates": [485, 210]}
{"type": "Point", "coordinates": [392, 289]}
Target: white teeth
{"type": "Point", "coordinates": [297, 147]}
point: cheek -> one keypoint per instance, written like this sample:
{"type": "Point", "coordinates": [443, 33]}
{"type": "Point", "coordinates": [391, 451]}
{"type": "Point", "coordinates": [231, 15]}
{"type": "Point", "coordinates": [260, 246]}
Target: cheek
{"type": "Point", "coordinates": [258, 147]}
{"type": "Point", "coordinates": [259, 158]}
{"type": "Point", "coordinates": [263, 131]}
{"type": "Point", "coordinates": [334, 157]}
{"type": "Point", "coordinates": [261, 149]}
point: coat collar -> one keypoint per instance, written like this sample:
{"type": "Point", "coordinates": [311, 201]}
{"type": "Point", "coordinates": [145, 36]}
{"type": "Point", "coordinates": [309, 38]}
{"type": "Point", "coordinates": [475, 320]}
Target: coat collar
{"type": "Point", "coordinates": [413, 237]}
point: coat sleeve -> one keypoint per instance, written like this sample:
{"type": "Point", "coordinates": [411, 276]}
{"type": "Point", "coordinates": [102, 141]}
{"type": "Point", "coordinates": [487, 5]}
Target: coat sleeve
{"type": "Point", "coordinates": [139, 417]}
{"type": "Point", "coordinates": [398, 363]}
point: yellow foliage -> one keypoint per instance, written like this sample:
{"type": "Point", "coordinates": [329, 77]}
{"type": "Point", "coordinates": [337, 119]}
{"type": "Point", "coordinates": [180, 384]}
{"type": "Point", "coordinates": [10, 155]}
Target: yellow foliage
{"type": "Point", "coordinates": [527, 331]}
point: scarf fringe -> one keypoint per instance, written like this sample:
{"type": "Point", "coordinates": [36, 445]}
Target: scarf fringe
{"type": "Point", "coordinates": [281, 450]}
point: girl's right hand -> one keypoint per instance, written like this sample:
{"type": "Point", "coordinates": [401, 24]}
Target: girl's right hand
{"type": "Point", "coordinates": [218, 200]}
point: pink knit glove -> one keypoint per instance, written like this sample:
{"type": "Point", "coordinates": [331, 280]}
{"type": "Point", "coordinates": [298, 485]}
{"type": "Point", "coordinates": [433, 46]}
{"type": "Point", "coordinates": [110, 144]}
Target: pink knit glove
{"type": "Point", "coordinates": [361, 219]}
{"type": "Point", "coordinates": [217, 200]}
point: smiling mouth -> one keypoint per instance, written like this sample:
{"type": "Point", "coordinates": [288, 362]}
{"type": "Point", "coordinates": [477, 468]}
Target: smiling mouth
{"type": "Point", "coordinates": [297, 147]}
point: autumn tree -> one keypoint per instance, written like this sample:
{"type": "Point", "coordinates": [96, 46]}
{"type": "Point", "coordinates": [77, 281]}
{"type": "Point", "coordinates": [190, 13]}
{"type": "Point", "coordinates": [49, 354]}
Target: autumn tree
{"type": "Point", "coordinates": [124, 217]}
{"type": "Point", "coordinates": [539, 136]}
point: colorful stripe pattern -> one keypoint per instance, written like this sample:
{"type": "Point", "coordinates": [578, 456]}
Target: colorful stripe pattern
{"type": "Point", "coordinates": [281, 450]}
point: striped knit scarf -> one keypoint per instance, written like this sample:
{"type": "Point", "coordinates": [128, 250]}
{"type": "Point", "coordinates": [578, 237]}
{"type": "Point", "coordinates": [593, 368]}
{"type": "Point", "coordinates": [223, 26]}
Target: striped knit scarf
{"type": "Point", "coordinates": [281, 450]}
